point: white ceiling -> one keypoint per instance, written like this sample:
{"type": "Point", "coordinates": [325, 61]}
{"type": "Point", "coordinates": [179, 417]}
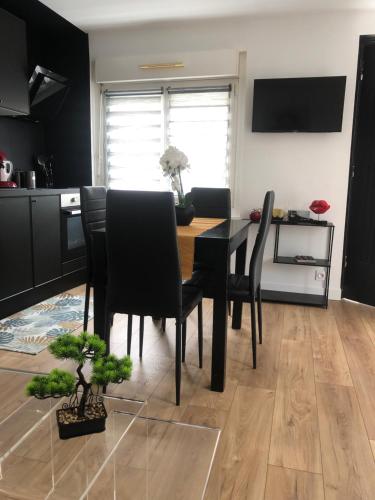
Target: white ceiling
{"type": "Point", "coordinates": [94, 14]}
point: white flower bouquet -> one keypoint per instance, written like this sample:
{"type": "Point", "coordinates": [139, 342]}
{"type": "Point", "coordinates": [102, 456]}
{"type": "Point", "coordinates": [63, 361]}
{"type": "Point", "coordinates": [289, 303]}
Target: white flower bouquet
{"type": "Point", "coordinates": [173, 162]}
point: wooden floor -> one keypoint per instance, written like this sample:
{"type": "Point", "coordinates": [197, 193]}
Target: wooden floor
{"type": "Point", "coordinates": [301, 426]}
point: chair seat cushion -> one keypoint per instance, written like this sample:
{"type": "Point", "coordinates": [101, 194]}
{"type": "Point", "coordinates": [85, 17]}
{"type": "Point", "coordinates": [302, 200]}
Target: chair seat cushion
{"type": "Point", "coordinates": [198, 279]}
{"type": "Point", "coordinates": [239, 288]}
{"type": "Point", "coordinates": [191, 296]}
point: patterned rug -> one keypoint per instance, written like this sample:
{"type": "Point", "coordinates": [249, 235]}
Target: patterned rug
{"type": "Point", "coordinates": [31, 330]}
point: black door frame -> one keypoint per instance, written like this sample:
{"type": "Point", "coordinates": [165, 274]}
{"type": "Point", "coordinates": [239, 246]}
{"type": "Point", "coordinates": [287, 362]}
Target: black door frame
{"type": "Point", "coordinates": [364, 41]}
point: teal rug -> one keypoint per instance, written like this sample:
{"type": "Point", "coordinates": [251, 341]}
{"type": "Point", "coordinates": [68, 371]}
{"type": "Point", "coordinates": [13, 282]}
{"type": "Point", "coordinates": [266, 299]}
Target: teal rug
{"type": "Point", "coordinates": [31, 330]}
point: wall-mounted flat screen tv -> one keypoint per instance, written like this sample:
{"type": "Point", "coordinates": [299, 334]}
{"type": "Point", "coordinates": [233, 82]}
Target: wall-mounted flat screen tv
{"type": "Point", "coordinates": [298, 104]}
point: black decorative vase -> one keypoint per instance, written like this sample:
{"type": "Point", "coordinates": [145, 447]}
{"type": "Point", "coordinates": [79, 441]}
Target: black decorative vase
{"type": "Point", "coordinates": [184, 215]}
{"type": "Point", "coordinates": [70, 425]}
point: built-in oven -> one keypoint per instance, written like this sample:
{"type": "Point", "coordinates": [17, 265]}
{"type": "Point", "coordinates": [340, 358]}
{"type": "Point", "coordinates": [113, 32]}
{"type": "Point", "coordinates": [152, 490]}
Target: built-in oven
{"type": "Point", "coordinates": [73, 247]}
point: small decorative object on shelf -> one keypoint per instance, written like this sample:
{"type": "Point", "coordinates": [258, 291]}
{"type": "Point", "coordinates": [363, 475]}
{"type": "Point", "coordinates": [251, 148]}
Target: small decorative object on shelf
{"type": "Point", "coordinates": [84, 413]}
{"type": "Point", "coordinates": [173, 162]}
{"type": "Point", "coordinates": [319, 207]}
{"type": "Point", "coordinates": [255, 215]}
{"type": "Point", "coordinates": [304, 259]}
{"type": "Point", "coordinates": [278, 214]}
{"type": "Point", "coordinates": [297, 216]}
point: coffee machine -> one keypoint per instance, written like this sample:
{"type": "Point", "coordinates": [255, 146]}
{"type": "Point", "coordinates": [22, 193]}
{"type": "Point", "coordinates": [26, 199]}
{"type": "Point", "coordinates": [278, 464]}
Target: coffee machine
{"type": "Point", "coordinates": [6, 171]}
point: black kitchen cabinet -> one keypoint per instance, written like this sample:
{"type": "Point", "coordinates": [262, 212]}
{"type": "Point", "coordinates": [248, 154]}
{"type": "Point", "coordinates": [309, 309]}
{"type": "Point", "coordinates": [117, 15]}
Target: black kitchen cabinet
{"type": "Point", "coordinates": [14, 90]}
{"type": "Point", "coordinates": [15, 246]}
{"type": "Point", "coordinates": [45, 214]}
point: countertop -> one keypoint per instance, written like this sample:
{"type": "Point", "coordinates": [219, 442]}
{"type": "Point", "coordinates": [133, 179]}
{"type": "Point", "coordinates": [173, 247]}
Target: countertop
{"type": "Point", "coordinates": [13, 192]}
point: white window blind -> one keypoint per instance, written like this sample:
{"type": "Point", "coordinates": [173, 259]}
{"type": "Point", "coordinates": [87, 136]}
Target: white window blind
{"type": "Point", "coordinates": [134, 139]}
{"type": "Point", "coordinates": [140, 125]}
{"type": "Point", "coordinates": [199, 125]}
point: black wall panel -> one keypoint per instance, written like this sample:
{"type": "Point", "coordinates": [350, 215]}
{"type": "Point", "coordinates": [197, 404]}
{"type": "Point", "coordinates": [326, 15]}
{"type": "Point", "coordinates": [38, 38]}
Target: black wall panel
{"type": "Point", "coordinates": [59, 46]}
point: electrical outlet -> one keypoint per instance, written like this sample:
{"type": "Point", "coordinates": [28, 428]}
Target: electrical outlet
{"type": "Point", "coordinates": [320, 275]}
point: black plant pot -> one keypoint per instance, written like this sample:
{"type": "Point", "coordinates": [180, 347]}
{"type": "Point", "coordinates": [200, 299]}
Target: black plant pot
{"type": "Point", "coordinates": [184, 215]}
{"type": "Point", "coordinates": [70, 425]}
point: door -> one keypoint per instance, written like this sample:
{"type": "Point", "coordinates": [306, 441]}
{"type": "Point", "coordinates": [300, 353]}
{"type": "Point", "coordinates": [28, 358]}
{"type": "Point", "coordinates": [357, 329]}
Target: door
{"type": "Point", "coordinates": [359, 249]}
{"type": "Point", "coordinates": [46, 238]}
{"type": "Point", "coordinates": [15, 246]}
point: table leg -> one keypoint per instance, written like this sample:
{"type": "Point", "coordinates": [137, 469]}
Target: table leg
{"type": "Point", "coordinates": [220, 321]}
{"type": "Point", "coordinates": [240, 269]}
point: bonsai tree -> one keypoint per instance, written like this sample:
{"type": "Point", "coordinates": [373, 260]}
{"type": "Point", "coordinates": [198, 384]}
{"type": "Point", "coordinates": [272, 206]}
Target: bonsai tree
{"type": "Point", "coordinates": [85, 347]}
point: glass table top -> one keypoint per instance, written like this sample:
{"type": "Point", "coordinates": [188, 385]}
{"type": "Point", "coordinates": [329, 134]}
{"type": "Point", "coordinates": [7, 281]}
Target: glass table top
{"type": "Point", "coordinates": [136, 457]}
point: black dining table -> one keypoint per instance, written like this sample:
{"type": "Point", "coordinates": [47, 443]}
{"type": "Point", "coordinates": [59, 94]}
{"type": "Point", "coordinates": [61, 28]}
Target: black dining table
{"type": "Point", "coordinates": [213, 250]}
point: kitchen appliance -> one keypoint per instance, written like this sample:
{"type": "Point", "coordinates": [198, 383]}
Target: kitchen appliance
{"type": "Point", "coordinates": [30, 179]}
{"type": "Point", "coordinates": [48, 91]}
{"type": "Point", "coordinates": [25, 179]}
{"type": "Point", "coordinates": [6, 170]}
{"type": "Point", "coordinates": [5, 184]}
{"type": "Point", "coordinates": [73, 247]}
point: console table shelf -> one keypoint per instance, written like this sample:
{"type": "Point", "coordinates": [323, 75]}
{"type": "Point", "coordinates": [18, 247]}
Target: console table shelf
{"type": "Point", "coordinates": [302, 298]}
{"type": "Point", "coordinates": [291, 261]}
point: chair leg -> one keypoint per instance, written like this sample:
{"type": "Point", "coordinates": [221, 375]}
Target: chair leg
{"type": "Point", "coordinates": [130, 327]}
{"type": "Point", "coordinates": [260, 323]}
{"type": "Point", "coordinates": [183, 340]}
{"type": "Point", "coordinates": [229, 308]}
{"type": "Point", "coordinates": [163, 324]}
{"type": "Point", "coordinates": [87, 305]}
{"type": "Point", "coordinates": [200, 335]}
{"type": "Point", "coordinates": [141, 330]}
{"type": "Point", "coordinates": [178, 361]}
{"type": "Point", "coordinates": [253, 332]}
{"type": "Point", "coordinates": [107, 333]}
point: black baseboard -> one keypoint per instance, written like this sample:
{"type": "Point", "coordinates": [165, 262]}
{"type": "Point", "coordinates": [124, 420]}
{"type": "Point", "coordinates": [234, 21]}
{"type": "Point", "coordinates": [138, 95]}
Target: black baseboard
{"type": "Point", "coordinates": [30, 297]}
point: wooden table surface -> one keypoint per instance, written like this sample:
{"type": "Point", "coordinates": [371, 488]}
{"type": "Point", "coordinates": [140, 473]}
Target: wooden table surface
{"type": "Point", "coordinates": [186, 242]}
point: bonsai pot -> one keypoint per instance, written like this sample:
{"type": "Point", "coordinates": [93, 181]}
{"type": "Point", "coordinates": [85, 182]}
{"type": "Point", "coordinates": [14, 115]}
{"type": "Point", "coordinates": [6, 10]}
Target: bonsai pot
{"type": "Point", "coordinates": [70, 424]}
{"type": "Point", "coordinates": [184, 215]}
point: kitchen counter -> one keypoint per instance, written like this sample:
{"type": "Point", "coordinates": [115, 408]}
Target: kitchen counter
{"type": "Point", "coordinates": [34, 246]}
{"type": "Point", "coordinates": [13, 192]}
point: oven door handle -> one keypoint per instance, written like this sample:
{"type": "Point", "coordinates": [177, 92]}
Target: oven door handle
{"type": "Point", "coordinates": [72, 211]}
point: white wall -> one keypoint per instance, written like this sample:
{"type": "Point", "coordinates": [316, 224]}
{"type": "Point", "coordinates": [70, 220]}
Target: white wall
{"type": "Point", "coordinates": [299, 167]}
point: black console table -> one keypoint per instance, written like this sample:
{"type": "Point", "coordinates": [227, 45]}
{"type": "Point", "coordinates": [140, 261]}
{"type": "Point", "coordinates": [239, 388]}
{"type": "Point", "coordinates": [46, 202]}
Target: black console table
{"type": "Point", "coordinates": [302, 298]}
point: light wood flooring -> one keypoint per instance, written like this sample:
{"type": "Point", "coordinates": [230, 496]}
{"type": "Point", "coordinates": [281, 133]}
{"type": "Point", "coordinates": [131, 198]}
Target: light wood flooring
{"type": "Point", "coordinates": [301, 426]}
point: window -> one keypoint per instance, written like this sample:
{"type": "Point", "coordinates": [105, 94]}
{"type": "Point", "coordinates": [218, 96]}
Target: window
{"type": "Point", "coordinates": [139, 125]}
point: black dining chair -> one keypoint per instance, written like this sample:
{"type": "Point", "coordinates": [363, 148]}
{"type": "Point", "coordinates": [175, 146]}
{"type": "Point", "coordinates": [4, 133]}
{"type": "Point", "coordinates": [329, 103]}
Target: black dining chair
{"type": "Point", "coordinates": [211, 202]}
{"type": "Point", "coordinates": [144, 282]}
{"type": "Point", "coordinates": [247, 288]}
{"type": "Point", "coordinates": [93, 212]}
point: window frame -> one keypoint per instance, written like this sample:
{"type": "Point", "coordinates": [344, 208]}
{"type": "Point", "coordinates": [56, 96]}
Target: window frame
{"type": "Point", "coordinates": [148, 85]}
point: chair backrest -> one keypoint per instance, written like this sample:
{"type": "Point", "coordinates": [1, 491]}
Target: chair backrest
{"type": "Point", "coordinates": [256, 261]}
{"type": "Point", "coordinates": [211, 202]}
{"type": "Point", "coordinates": [144, 276]}
{"type": "Point", "coordinates": [93, 210]}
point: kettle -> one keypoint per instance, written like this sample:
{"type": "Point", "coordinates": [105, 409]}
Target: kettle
{"type": "Point", "coordinates": [6, 170]}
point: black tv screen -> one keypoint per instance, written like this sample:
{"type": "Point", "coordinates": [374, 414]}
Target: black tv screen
{"type": "Point", "coordinates": [298, 104]}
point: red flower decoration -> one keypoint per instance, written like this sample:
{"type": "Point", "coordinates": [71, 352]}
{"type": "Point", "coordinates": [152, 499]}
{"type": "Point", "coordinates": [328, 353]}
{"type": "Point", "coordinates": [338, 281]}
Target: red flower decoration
{"type": "Point", "coordinates": [319, 206]}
